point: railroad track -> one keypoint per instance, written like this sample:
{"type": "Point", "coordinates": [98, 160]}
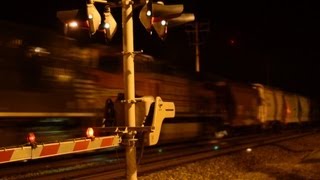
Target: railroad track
{"type": "Point", "coordinates": [110, 164]}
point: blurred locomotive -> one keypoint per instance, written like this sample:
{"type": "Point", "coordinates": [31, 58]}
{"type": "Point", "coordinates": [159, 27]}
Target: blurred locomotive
{"type": "Point", "coordinates": [56, 87]}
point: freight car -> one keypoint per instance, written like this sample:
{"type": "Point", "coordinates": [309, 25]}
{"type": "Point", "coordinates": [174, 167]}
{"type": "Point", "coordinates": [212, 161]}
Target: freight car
{"type": "Point", "coordinates": [56, 87]}
{"type": "Point", "coordinates": [264, 107]}
{"type": "Point", "coordinates": [281, 108]}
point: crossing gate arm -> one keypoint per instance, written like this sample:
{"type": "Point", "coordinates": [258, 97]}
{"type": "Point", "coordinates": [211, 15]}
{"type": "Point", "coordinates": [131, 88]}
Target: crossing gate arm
{"type": "Point", "coordinates": [56, 149]}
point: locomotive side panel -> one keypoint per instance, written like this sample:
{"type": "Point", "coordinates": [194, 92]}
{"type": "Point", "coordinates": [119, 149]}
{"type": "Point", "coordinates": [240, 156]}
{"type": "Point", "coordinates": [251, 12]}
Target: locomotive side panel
{"type": "Point", "coordinates": [190, 97]}
{"type": "Point", "coordinates": [43, 74]}
{"type": "Point", "coordinates": [44, 86]}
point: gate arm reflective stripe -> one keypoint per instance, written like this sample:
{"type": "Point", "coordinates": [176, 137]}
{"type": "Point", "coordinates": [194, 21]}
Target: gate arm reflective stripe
{"type": "Point", "coordinates": [15, 154]}
{"type": "Point", "coordinates": [56, 149]}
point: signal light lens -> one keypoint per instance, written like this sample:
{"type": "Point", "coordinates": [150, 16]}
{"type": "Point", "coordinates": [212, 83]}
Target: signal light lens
{"type": "Point", "coordinates": [148, 13]}
{"type": "Point", "coordinates": [107, 26]}
{"type": "Point", "coordinates": [31, 138]}
{"type": "Point", "coordinates": [163, 22]}
{"type": "Point", "coordinates": [73, 24]}
{"type": "Point", "coordinates": [90, 133]}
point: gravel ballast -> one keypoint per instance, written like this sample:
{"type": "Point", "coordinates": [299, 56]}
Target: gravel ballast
{"type": "Point", "coordinates": [294, 159]}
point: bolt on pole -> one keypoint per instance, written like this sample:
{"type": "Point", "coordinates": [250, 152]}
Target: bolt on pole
{"type": "Point", "coordinates": [129, 88]}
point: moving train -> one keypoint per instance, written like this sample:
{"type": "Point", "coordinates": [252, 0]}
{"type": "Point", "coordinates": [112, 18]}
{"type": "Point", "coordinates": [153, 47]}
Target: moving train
{"type": "Point", "coordinates": [57, 86]}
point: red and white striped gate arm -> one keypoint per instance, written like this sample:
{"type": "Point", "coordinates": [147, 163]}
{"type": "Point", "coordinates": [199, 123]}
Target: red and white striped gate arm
{"type": "Point", "coordinates": [56, 149]}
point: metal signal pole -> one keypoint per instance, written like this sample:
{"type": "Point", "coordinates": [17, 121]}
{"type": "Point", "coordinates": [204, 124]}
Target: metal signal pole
{"type": "Point", "coordinates": [129, 89]}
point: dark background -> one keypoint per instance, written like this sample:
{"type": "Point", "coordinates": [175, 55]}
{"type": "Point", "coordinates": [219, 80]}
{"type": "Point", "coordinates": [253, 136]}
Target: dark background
{"type": "Point", "coordinates": [270, 42]}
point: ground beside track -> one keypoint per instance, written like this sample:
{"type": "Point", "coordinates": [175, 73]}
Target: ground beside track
{"type": "Point", "coordinates": [293, 159]}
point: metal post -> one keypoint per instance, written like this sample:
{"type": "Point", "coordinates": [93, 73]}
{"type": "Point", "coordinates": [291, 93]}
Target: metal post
{"type": "Point", "coordinates": [129, 89]}
{"type": "Point", "coordinates": [197, 48]}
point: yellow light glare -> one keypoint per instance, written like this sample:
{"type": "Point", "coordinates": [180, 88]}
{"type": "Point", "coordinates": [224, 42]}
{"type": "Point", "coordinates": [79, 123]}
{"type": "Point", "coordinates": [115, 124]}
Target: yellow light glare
{"type": "Point", "coordinates": [63, 77]}
{"type": "Point", "coordinates": [90, 133]}
{"type": "Point", "coordinates": [249, 150]}
{"type": "Point", "coordinates": [73, 24]}
{"type": "Point", "coordinates": [37, 49]}
{"type": "Point", "coordinates": [90, 16]}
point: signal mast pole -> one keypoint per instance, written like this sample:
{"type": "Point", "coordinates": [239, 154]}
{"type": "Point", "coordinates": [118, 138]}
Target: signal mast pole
{"type": "Point", "coordinates": [129, 89]}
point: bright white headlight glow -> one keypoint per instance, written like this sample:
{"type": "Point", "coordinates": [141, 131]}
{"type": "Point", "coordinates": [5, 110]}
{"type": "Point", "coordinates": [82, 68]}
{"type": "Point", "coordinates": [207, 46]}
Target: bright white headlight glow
{"type": "Point", "coordinates": [107, 25]}
{"type": "Point", "coordinates": [163, 22]}
{"type": "Point", "coordinates": [148, 13]}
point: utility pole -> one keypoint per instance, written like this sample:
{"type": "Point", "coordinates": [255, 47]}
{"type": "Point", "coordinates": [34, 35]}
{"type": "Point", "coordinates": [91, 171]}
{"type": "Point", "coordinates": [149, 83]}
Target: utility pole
{"type": "Point", "coordinates": [194, 29]}
{"type": "Point", "coordinates": [129, 89]}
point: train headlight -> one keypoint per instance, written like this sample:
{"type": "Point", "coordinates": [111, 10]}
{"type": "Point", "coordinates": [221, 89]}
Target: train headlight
{"type": "Point", "coordinates": [90, 133]}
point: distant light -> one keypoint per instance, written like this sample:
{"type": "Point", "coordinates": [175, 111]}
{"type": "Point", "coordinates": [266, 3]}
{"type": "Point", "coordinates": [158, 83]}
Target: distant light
{"type": "Point", "coordinates": [63, 77]}
{"type": "Point", "coordinates": [249, 150]}
{"type": "Point", "coordinates": [37, 49]}
{"type": "Point", "coordinates": [216, 147]}
{"type": "Point", "coordinates": [221, 134]}
{"type": "Point", "coordinates": [232, 42]}
{"type": "Point", "coordinates": [73, 24]}
{"type": "Point", "coordinates": [160, 150]}
{"type": "Point", "coordinates": [90, 16]}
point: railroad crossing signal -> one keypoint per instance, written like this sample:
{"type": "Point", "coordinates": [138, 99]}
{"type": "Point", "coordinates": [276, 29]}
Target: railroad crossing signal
{"type": "Point", "coordinates": [92, 23]}
{"type": "Point", "coordinates": [68, 18]}
{"type": "Point", "coordinates": [110, 24]}
{"type": "Point", "coordinates": [94, 17]}
{"type": "Point", "coordinates": [153, 16]}
{"type": "Point", "coordinates": [160, 17]}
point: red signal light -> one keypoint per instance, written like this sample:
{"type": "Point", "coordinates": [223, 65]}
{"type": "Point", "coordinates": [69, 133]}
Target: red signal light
{"type": "Point", "coordinates": [31, 138]}
{"type": "Point", "coordinates": [232, 42]}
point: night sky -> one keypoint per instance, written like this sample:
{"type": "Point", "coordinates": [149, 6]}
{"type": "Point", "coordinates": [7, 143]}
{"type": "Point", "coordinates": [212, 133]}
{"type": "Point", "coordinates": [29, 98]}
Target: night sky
{"type": "Point", "coordinates": [270, 42]}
